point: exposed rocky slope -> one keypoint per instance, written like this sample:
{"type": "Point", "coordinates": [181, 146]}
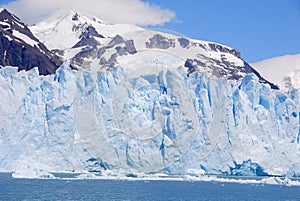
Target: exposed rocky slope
{"type": "Point", "coordinates": [20, 48]}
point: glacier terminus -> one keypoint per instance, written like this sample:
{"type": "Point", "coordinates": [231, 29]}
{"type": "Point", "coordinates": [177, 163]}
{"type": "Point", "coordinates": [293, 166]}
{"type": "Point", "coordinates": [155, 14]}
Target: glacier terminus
{"type": "Point", "coordinates": [146, 122]}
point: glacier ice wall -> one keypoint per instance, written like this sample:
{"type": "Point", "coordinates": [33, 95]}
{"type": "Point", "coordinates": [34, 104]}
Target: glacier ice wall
{"type": "Point", "coordinates": [134, 121]}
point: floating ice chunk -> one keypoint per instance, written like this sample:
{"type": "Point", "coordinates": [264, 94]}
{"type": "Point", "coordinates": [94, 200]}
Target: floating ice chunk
{"type": "Point", "coordinates": [29, 172]}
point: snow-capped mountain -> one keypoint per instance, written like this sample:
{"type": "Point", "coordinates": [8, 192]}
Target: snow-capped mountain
{"type": "Point", "coordinates": [20, 48]}
{"type": "Point", "coordinates": [70, 25]}
{"type": "Point", "coordinates": [91, 43]}
{"type": "Point", "coordinates": [283, 70]}
{"type": "Point", "coordinates": [132, 100]}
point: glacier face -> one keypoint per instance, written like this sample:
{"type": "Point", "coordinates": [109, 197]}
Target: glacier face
{"type": "Point", "coordinates": [150, 119]}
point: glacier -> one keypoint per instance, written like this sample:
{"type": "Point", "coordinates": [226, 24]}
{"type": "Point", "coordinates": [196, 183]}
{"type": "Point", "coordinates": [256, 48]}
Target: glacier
{"type": "Point", "coordinates": [151, 119]}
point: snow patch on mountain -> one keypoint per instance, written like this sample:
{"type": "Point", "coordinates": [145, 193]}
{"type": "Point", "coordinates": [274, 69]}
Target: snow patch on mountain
{"type": "Point", "coordinates": [5, 24]}
{"type": "Point", "coordinates": [67, 25]}
{"type": "Point", "coordinates": [283, 70]}
{"type": "Point", "coordinates": [9, 38]}
{"type": "Point", "coordinates": [25, 38]}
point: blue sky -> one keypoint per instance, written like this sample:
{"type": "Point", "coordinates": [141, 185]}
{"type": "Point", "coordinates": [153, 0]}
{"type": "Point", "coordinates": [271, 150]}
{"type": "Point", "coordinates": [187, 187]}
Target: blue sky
{"type": "Point", "coordinates": [5, 1]}
{"type": "Point", "coordinates": [259, 29]}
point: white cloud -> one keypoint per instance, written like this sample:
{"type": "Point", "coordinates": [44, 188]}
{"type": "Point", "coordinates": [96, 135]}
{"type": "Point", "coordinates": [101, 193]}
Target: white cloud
{"type": "Point", "coordinates": [114, 11]}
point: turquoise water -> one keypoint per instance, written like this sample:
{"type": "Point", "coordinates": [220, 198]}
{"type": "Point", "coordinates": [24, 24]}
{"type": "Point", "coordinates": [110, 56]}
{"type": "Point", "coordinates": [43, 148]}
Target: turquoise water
{"type": "Point", "coordinates": [36, 190]}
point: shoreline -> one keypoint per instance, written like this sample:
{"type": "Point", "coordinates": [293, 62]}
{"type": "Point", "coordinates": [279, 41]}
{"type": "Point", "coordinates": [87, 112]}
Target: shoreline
{"type": "Point", "coordinates": [73, 176]}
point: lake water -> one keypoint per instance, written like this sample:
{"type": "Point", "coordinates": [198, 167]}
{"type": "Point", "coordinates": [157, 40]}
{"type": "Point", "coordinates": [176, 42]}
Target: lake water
{"type": "Point", "coordinates": [89, 190]}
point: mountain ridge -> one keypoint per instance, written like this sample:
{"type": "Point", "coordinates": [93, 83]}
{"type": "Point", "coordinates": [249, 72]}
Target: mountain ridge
{"type": "Point", "coordinates": [95, 52]}
{"type": "Point", "coordinates": [19, 47]}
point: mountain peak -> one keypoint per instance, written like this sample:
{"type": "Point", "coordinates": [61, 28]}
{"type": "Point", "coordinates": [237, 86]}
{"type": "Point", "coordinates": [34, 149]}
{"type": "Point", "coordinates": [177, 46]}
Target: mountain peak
{"type": "Point", "coordinates": [63, 15]}
{"type": "Point", "coordinates": [70, 25]}
{"type": "Point", "coordinates": [2, 10]}
{"type": "Point", "coordinates": [19, 47]}
{"type": "Point", "coordinates": [13, 25]}
{"type": "Point", "coordinates": [5, 15]}
{"type": "Point", "coordinates": [75, 17]}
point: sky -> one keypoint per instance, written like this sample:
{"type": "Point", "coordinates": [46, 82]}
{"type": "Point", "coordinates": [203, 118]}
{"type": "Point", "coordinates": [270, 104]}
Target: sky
{"type": "Point", "coordinates": [259, 29]}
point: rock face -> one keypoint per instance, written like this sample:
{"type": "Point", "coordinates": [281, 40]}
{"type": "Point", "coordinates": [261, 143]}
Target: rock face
{"type": "Point", "coordinates": [87, 36]}
{"type": "Point", "coordinates": [118, 45]}
{"type": "Point", "coordinates": [184, 42]}
{"type": "Point", "coordinates": [20, 48]}
{"type": "Point", "coordinates": [160, 42]}
{"type": "Point", "coordinates": [224, 69]}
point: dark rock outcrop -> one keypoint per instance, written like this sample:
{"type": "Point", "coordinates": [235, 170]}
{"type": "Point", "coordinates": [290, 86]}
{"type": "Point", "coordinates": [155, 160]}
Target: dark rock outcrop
{"type": "Point", "coordinates": [184, 42]}
{"type": "Point", "coordinates": [75, 17]}
{"type": "Point", "coordinates": [221, 48]}
{"type": "Point", "coordinates": [20, 48]}
{"type": "Point", "coordinates": [87, 37]}
{"type": "Point", "coordinates": [160, 42]}
{"type": "Point", "coordinates": [223, 68]}
{"type": "Point", "coordinates": [118, 44]}
{"type": "Point", "coordinates": [86, 42]}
